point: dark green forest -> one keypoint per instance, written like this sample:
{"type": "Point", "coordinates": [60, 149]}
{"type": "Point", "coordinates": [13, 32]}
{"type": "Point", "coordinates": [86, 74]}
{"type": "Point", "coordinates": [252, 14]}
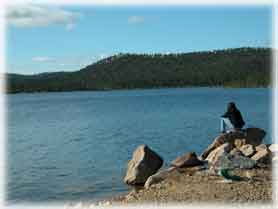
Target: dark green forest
{"type": "Point", "coordinates": [240, 67]}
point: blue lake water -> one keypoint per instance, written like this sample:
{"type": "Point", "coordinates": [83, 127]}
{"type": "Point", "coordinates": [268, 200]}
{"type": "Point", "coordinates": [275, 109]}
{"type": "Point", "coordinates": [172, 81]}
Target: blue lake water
{"type": "Point", "coordinates": [75, 145]}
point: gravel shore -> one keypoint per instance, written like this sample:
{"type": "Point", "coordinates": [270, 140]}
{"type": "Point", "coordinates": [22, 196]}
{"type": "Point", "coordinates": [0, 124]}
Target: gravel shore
{"type": "Point", "coordinates": [191, 186]}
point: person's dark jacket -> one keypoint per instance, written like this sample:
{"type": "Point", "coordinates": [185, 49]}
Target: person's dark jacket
{"type": "Point", "coordinates": [235, 118]}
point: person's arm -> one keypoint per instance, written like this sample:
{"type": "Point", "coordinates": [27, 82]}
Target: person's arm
{"type": "Point", "coordinates": [225, 115]}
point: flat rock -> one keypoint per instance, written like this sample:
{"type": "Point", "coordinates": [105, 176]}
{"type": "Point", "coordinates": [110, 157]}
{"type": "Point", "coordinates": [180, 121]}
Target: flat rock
{"type": "Point", "coordinates": [218, 141]}
{"type": "Point", "coordinates": [144, 163]}
{"type": "Point", "coordinates": [232, 136]}
{"type": "Point", "coordinates": [262, 156]}
{"type": "Point", "coordinates": [229, 161]}
{"type": "Point", "coordinates": [218, 152]}
{"type": "Point", "coordinates": [158, 177]}
{"type": "Point", "coordinates": [187, 160]}
{"type": "Point", "coordinates": [254, 136]}
{"type": "Point", "coordinates": [261, 147]}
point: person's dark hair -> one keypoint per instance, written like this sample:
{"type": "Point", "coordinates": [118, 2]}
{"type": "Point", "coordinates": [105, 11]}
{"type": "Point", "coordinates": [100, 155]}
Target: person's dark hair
{"type": "Point", "coordinates": [231, 107]}
{"type": "Point", "coordinates": [234, 115]}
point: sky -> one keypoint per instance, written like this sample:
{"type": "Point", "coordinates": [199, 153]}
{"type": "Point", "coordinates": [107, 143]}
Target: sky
{"type": "Point", "coordinates": [49, 38]}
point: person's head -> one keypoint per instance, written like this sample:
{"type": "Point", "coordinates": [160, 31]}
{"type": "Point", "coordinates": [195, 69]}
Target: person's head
{"type": "Point", "coordinates": [231, 107]}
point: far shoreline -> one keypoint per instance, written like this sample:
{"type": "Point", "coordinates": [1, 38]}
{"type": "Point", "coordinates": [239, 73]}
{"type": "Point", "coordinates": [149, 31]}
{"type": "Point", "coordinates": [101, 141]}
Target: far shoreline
{"type": "Point", "coordinates": [136, 89]}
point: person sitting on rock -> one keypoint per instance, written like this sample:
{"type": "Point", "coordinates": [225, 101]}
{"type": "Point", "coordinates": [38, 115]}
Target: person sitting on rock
{"type": "Point", "coordinates": [232, 120]}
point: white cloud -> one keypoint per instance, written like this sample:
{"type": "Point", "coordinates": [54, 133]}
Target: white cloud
{"type": "Point", "coordinates": [42, 59]}
{"type": "Point", "coordinates": [40, 16]}
{"type": "Point", "coordinates": [135, 19]}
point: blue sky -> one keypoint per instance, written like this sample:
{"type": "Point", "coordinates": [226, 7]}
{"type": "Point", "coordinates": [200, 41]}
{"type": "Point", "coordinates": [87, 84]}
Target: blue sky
{"type": "Point", "coordinates": [67, 38]}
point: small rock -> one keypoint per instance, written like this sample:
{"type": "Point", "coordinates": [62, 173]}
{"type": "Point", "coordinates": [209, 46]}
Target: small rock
{"type": "Point", "coordinates": [144, 163]}
{"type": "Point", "coordinates": [247, 149]}
{"type": "Point", "coordinates": [187, 160]}
{"type": "Point", "coordinates": [249, 175]}
{"type": "Point", "coordinates": [130, 196]}
{"type": "Point", "coordinates": [262, 156]}
{"type": "Point", "coordinates": [273, 148]}
{"type": "Point", "coordinates": [239, 143]}
{"type": "Point", "coordinates": [235, 151]}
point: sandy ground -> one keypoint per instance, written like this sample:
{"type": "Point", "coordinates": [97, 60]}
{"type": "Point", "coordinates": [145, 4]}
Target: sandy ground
{"type": "Point", "coordinates": [197, 187]}
{"type": "Point", "coordinates": [200, 186]}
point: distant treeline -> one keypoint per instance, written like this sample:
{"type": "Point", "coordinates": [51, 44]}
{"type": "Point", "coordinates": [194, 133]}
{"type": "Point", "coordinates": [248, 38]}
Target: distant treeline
{"type": "Point", "coordinates": [240, 67]}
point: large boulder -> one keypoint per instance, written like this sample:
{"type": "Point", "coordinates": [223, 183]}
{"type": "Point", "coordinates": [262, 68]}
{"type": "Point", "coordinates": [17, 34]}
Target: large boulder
{"type": "Point", "coordinates": [254, 136]}
{"type": "Point", "coordinates": [187, 160]}
{"type": "Point", "coordinates": [247, 149]}
{"type": "Point", "coordinates": [224, 149]}
{"type": "Point", "coordinates": [144, 163]}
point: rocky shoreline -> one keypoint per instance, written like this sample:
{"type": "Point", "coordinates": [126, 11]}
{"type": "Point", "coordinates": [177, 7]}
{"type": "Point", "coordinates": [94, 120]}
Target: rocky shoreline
{"type": "Point", "coordinates": [236, 168]}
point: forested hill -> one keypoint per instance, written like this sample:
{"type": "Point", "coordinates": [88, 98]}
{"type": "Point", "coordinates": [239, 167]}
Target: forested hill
{"type": "Point", "coordinates": [241, 67]}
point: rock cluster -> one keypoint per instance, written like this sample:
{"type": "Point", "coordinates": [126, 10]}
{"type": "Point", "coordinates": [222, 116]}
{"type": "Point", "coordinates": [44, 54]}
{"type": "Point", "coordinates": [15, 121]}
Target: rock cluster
{"type": "Point", "coordinates": [241, 149]}
{"type": "Point", "coordinates": [252, 136]}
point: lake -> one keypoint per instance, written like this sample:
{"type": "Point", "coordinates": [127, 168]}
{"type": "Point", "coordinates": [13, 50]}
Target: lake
{"type": "Point", "coordinates": [76, 145]}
